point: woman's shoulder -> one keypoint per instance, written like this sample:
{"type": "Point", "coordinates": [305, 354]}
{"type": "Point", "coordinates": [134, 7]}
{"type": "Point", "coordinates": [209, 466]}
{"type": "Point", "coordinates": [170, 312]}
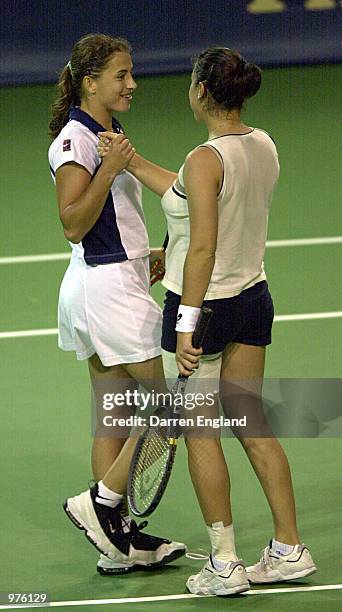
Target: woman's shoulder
{"type": "Point", "coordinates": [75, 142]}
{"type": "Point", "coordinates": [264, 134]}
{"type": "Point", "coordinates": [76, 129]}
{"type": "Point", "coordinates": [75, 132]}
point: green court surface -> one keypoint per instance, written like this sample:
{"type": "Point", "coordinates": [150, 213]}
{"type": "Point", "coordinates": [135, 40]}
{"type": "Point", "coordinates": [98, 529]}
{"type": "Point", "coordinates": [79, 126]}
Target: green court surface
{"type": "Point", "coordinates": [45, 408]}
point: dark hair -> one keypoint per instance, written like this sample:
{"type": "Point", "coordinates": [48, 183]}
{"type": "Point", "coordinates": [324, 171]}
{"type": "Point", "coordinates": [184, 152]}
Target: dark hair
{"type": "Point", "coordinates": [88, 57]}
{"type": "Point", "coordinates": [228, 77]}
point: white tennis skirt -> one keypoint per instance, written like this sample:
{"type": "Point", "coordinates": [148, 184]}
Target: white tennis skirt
{"type": "Point", "coordinates": [108, 310]}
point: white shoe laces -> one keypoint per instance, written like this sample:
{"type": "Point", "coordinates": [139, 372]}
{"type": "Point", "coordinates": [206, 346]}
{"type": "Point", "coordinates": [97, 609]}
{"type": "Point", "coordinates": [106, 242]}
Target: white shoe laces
{"type": "Point", "coordinates": [265, 560]}
{"type": "Point", "coordinates": [197, 555]}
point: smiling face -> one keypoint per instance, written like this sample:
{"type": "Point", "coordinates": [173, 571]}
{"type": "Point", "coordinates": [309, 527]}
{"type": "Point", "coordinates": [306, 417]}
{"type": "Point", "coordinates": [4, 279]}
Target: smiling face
{"type": "Point", "coordinates": [114, 87]}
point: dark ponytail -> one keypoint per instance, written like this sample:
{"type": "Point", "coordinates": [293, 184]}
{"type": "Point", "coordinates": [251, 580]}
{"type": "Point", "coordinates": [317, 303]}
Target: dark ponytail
{"type": "Point", "coordinates": [88, 58]}
{"type": "Point", "coordinates": [61, 106]}
{"type": "Point", "coordinates": [229, 79]}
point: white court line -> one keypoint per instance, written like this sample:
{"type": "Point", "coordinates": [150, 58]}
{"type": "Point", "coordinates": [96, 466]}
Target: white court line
{"type": "Point", "coordinates": [27, 333]}
{"type": "Point", "coordinates": [307, 316]}
{"type": "Point", "coordinates": [34, 258]}
{"type": "Point", "coordinates": [304, 242]}
{"type": "Point", "coordinates": [269, 244]}
{"type": "Point", "coordinates": [124, 600]}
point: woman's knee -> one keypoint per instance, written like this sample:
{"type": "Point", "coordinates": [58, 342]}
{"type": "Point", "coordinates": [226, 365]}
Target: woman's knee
{"type": "Point", "coordinates": [196, 444]}
{"type": "Point", "coordinates": [259, 446]}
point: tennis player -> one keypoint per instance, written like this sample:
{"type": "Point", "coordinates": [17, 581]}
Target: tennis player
{"type": "Point", "coordinates": [217, 212]}
{"type": "Point", "coordinates": [105, 312]}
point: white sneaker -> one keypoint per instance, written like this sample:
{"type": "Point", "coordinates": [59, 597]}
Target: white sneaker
{"type": "Point", "coordinates": [124, 545]}
{"type": "Point", "coordinates": [210, 581]}
{"type": "Point", "coordinates": [273, 567]}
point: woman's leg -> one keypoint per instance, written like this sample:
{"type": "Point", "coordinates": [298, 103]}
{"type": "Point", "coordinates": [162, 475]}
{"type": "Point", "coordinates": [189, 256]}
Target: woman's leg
{"type": "Point", "coordinates": [207, 466]}
{"type": "Point", "coordinates": [210, 478]}
{"type": "Point", "coordinates": [242, 374]}
{"type": "Point", "coordinates": [150, 374]}
{"type": "Point", "coordinates": [98, 511]}
{"type": "Point", "coordinates": [104, 452]}
{"type": "Point", "coordinates": [105, 448]}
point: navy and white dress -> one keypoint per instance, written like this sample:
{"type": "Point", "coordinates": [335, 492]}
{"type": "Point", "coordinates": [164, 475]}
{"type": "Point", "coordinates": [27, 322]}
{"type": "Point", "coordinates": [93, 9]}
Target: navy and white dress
{"type": "Point", "coordinates": [104, 301]}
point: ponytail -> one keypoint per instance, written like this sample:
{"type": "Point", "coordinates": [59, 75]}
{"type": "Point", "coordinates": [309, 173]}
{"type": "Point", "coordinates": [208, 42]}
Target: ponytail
{"type": "Point", "coordinates": [61, 106]}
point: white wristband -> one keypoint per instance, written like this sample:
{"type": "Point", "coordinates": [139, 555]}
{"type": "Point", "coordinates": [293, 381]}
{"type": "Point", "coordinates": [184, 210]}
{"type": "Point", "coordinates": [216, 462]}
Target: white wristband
{"type": "Point", "coordinates": [187, 318]}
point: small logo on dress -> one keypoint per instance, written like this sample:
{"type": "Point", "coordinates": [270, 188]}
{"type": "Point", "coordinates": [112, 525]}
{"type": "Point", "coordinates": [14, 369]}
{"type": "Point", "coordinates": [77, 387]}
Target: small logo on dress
{"type": "Point", "coordinates": [179, 317]}
{"type": "Point", "coordinates": [66, 145]}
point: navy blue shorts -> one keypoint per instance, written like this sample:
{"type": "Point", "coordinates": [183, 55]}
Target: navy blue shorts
{"type": "Point", "coordinates": [246, 318]}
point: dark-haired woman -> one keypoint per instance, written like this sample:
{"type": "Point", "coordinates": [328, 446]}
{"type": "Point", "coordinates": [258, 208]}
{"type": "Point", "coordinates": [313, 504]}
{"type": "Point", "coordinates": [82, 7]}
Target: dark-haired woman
{"type": "Point", "coordinates": [217, 213]}
{"type": "Point", "coordinates": [105, 312]}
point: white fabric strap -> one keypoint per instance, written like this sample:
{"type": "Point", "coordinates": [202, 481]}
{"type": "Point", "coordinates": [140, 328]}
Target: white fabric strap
{"type": "Point", "coordinates": [187, 318]}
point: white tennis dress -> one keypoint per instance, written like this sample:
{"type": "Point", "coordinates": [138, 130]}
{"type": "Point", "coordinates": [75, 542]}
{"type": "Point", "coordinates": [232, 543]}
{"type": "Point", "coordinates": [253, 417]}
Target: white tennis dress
{"type": "Point", "coordinates": [104, 302]}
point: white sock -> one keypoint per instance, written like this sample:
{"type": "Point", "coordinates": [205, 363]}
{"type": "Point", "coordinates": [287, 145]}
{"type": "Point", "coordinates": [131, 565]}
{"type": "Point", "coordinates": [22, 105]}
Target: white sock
{"type": "Point", "coordinates": [107, 497]}
{"type": "Point", "coordinates": [282, 549]}
{"type": "Point", "coordinates": [222, 544]}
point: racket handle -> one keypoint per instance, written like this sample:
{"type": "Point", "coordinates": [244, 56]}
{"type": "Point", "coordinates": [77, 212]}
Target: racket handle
{"type": "Point", "coordinates": [166, 241]}
{"type": "Point", "coordinates": [201, 326]}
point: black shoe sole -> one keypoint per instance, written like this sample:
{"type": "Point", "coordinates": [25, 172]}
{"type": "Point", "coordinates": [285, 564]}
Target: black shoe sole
{"type": "Point", "coordinates": [141, 568]}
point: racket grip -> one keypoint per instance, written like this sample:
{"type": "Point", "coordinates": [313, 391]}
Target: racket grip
{"type": "Point", "coordinates": [201, 326]}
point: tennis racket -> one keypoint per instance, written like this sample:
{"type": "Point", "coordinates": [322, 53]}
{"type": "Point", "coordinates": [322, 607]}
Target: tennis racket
{"type": "Point", "coordinates": [155, 451]}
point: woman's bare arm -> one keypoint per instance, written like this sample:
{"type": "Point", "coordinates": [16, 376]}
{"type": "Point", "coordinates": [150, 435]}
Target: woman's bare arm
{"type": "Point", "coordinates": [154, 177]}
{"type": "Point", "coordinates": [80, 198]}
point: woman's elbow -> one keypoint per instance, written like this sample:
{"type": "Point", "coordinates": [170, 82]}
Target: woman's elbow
{"type": "Point", "coordinates": [71, 234]}
{"type": "Point", "coordinates": [204, 251]}
{"type": "Point", "coordinates": [72, 237]}
{"type": "Point", "coordinates": [70, 225]}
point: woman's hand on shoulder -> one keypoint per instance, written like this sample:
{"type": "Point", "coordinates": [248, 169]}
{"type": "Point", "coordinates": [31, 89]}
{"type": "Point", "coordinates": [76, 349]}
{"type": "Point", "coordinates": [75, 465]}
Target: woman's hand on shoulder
{"type": "Point", "coordinates": [115, 150]}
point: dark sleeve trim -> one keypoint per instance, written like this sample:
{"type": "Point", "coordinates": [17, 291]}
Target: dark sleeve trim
{"type": "Point", "coordinates": [180, 195]}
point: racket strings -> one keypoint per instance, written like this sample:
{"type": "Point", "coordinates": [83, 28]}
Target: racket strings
{"type": "Point", "coordinates": [151, 464]}
{"type": "Point", "coordinates": [155, 450]}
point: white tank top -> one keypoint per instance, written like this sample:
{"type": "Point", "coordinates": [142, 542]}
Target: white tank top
{"type": "Point", "coordinates": [250, 172]}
